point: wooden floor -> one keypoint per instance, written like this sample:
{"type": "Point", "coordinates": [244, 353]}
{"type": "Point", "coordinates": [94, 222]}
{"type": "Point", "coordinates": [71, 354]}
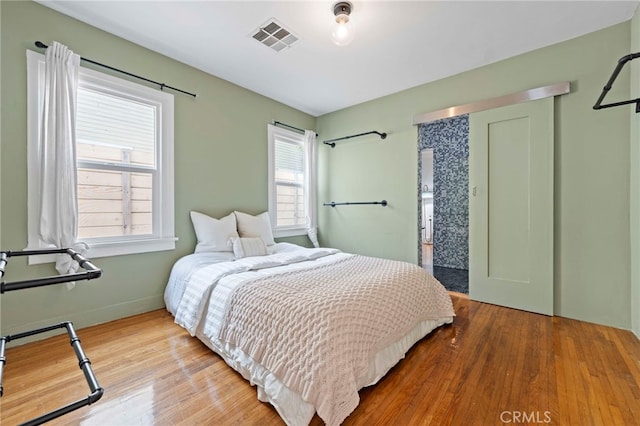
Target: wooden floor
{"type": "Point", "coordinates": [492, 366]}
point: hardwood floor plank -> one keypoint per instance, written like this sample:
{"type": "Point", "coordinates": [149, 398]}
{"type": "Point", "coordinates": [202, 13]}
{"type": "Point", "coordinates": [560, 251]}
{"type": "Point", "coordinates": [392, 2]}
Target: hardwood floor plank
{"type": "Point", "coordinates": [491, 366]}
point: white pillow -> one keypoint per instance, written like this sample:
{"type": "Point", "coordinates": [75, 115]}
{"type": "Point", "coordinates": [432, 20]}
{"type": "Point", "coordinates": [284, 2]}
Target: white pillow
{"type": "Point", "coordinates": [213, 234]}
{"type": "Point", "coordinates": [255, 226]}
{"type": "Point", "coordinates": [246, 247]}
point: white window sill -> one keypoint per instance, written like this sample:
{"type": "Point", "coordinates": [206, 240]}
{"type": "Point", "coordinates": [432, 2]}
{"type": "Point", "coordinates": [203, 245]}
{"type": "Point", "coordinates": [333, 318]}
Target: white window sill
{"type": "Point", "coordinates": [289, 232]}
{"type": "Point", "coordinates": [108, 249]}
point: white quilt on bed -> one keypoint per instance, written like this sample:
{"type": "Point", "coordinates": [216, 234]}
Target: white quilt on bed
{"type": "Point", "coordinates": [318, 329]}
{"type": "Point", "coordinates": [197, 295]}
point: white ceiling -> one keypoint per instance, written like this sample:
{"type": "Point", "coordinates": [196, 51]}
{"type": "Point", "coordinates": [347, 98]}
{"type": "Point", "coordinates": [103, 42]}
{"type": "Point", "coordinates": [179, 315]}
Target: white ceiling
{"type": "Point", "coordinates": [398, 44]}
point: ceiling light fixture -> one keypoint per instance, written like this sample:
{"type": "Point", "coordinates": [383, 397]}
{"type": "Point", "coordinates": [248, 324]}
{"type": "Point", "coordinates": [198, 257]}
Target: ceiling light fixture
{"type": "Point", "coordinates": [342, 32]}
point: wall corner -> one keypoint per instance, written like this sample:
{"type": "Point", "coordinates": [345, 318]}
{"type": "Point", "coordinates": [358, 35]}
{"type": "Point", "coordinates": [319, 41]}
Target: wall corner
{"type": "Point", "coordinates": [634, 184]}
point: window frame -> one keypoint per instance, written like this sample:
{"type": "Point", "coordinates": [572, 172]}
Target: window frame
{"type": "Point", "coordinates": [288, 230]}
{"type": "Point", "coordinates": [163, 227]}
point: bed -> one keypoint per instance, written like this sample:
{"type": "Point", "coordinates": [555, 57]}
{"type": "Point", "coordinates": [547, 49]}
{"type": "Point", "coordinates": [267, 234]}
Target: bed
{"type": "Point", "coordinates": [308, 326]}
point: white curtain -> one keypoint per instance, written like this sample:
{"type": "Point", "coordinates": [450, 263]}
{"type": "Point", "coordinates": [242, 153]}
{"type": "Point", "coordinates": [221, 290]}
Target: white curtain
{"type": "Point", "coordinates": [311, 189]}
{"type": "Point", "coordinates": [57, 155]}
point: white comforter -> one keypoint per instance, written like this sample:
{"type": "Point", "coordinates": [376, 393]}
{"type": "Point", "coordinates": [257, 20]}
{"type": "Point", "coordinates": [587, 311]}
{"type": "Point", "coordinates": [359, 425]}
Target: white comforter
{"type": "Point", "coordinates": [197, 294]}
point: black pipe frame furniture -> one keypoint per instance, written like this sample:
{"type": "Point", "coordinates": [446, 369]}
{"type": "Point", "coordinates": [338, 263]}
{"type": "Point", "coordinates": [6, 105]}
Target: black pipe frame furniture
{"type": "Point", "coordinates": [91, 272]}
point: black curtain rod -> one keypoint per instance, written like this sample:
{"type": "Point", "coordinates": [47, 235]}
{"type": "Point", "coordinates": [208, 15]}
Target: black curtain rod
{"type": "Point", "coordinates": [383, 203]}
{"type": "Point", "coordinates": [279, 123]}
{"type": "Point", "coordinates": [41, 45]}
{"type": "Point", "coordinates": [332, 142]}
{"type": "Point", "coordinates": [621, 62]}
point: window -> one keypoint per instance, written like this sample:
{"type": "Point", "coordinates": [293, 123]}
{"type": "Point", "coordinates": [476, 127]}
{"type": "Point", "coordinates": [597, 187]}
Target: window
{"type": "Point", "coordinates": [124, 136]}
{"type": "Point", "coordinates": [288, 186]}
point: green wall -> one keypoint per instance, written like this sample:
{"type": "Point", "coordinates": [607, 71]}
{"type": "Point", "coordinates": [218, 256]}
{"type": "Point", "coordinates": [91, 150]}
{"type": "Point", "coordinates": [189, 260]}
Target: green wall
{"type": "Point", "coordinates": [220, 165]}
{"type": "Point", "coordinates": [635, 178]}
{"type": "Point", "coordinates": [592, 255]}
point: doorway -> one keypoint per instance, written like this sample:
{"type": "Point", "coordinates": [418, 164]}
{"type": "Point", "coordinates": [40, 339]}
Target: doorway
{"type": "Point", "coordinates": [426, 182]}
{"type": "Point", "coordinates": [443, 165]}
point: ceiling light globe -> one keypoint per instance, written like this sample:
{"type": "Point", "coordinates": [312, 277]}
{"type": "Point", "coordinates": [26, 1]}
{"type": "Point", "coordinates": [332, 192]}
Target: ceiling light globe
{"type": "Point", "coordinates": [342, 33]}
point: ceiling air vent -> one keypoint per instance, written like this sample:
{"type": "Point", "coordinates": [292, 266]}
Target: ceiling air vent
{"type": "Point", "coordinates": [274, 35]}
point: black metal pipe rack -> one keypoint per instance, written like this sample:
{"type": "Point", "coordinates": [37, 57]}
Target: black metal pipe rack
{"type": "Point", "coordinates": [332, 142]}
{"type": "Point", "coordinates": [84, 363]}
{"type": "Point", "coordinates": [621, 63]}
{"type": "Point", "coordinates": [383, 203]}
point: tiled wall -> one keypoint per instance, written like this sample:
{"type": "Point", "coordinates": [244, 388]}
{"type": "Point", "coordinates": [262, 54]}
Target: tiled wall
{"type": "Point", "coordinates": [449, 139]}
